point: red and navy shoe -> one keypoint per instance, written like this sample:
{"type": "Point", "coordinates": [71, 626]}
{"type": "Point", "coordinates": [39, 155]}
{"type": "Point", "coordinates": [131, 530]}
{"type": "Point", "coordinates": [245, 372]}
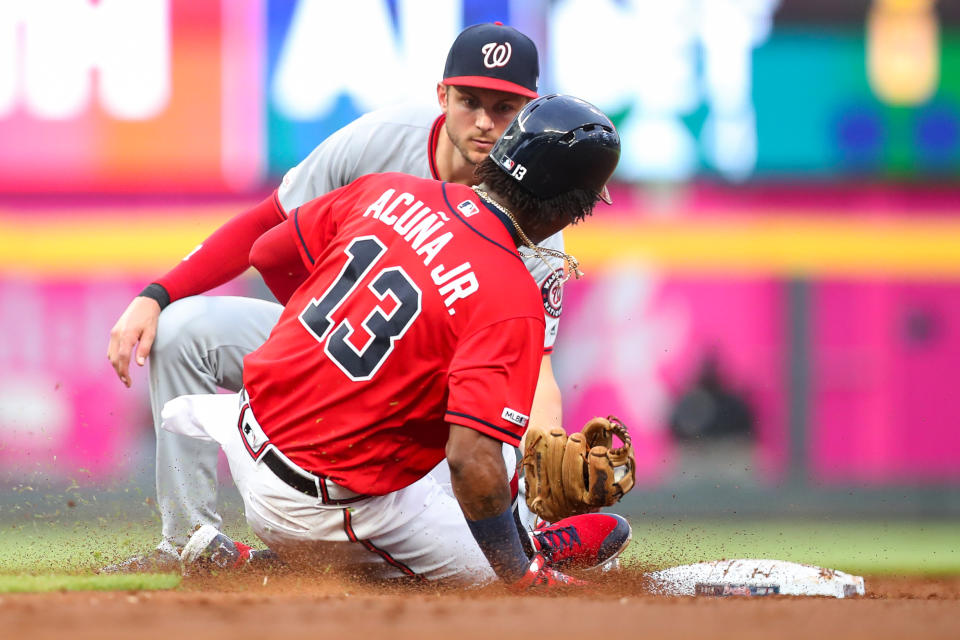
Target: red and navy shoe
{"type": "Point", "coordinates": [209, 550]}
{"type": "Point", "coordinates": [584, 542]}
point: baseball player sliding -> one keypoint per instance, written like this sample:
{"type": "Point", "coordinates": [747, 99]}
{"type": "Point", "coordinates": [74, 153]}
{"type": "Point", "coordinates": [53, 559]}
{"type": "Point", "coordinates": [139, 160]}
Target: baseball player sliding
{"type": "Point", "coordinates": [198, 343]}
{"type": "Point", "coordinates": [411, 333]}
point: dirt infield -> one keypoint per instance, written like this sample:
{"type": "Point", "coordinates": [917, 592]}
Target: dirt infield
{"type": "Point", "coordinates": [310, 607]}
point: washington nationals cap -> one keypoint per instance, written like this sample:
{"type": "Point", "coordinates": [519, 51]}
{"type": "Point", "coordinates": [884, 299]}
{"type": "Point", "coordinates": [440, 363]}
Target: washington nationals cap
{"type": "Point", "coordinates": [493, 56]}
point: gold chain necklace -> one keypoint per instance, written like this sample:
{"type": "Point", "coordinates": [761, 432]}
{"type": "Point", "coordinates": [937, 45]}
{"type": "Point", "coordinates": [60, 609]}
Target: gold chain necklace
{"type": "Point", "coordinates": [573, 265]}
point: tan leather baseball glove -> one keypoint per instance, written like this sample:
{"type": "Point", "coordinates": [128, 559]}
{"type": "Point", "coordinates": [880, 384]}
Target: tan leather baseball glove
{"type": "Point", "coordinates": [579, 473]}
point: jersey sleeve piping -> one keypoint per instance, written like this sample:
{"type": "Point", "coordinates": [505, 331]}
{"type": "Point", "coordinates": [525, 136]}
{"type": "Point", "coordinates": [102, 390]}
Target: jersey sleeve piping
{"type": "Point", "coordinates": [303, 243]}
{"type": "Point", "coordinates": [276, 202]}
{"type": "Point", "coordinates": [484, 427]}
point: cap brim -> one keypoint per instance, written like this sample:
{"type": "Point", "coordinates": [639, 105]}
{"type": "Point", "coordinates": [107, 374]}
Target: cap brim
{"type": "Point", "coordinates": [605, 195]}
{"type": "Point", "coordinates": [483, 82]}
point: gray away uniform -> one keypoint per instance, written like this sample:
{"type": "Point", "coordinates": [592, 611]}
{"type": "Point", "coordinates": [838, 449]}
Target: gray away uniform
{"type": "Point", "coordinates": [202, 340]}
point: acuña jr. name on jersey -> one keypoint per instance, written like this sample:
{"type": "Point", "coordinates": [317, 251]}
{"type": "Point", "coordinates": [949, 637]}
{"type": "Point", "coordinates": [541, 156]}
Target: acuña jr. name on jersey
{"type": "Point", "coordinates": [419, 227]}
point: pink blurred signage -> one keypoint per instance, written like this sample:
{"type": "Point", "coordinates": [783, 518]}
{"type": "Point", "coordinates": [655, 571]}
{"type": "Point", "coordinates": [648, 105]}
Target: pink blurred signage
{"type": "Point", "coordinates": [63, 413]}
{"type": "Point", "coordinates": [631, 341]}
{"type": "Point", "coordinates": [884, 393]}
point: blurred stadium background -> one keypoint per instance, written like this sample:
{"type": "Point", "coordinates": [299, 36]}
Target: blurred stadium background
{"type": "Point", "coordinates": [772, 304]}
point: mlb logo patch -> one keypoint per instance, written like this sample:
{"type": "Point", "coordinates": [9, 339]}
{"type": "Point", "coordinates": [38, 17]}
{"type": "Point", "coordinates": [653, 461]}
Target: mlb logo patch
{"type": "Point", "coordinates": [514, 416]}
{"type": "Point", "coordinates": [507, 163]}
{"type": "Point", "coordinates": [467, 208]}
{"type": "Point", "coordinates": [252, 433]}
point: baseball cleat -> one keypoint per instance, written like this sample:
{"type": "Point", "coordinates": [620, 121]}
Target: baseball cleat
{"type": "Point", "coordinates": [584, 542]}
{"type": "Point", "coordinates": [209, 550]}
{"type": "Point", "coordinates": [157, 561]}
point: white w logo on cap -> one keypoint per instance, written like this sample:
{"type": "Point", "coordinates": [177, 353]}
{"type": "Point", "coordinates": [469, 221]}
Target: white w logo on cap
{"type": "Point", "coordinates": [496, 54]}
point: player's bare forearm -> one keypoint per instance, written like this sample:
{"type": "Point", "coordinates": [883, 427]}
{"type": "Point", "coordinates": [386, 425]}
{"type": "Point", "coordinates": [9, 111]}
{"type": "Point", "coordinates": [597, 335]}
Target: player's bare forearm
{"type": "Point", "coordinates": [477, 473]}
{"type": "Point", "coordinates": [479, 481]}
{"type": "Point", "coordinates": [547, 409]}
{"type": "Point", "coordinates": [137, 326]}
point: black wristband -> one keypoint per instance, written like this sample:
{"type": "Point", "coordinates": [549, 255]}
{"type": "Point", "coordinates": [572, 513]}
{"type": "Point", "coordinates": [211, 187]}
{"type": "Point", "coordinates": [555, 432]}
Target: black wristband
{"type": "Point", "coordinates": [499, 540]}
{"type": "Point", "coordinates": [156, 292]}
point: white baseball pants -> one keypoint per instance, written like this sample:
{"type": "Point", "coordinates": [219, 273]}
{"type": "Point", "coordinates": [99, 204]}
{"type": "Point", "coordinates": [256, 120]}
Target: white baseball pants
{"type": "Point", "coordinates": [419, 531]}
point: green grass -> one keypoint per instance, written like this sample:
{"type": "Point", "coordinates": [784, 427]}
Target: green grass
{"type": "Point", "coordinates": [37, 584]}
{"type": "Point", "coordinates": [54, 555]}
{"type": "Point", "coordinates": [42, 547]}
{"type": "Point", "coordinates": [864, 547]}
{"type": "Point", "coordinates": [51, 555]}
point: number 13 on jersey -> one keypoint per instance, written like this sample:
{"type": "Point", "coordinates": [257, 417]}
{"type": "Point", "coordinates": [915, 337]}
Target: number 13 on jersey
{"type": "Point", "coordinates": [383, 330]}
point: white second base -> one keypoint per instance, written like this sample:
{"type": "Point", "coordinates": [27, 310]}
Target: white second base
{"type": "Point", "coordinates": [749, 577]}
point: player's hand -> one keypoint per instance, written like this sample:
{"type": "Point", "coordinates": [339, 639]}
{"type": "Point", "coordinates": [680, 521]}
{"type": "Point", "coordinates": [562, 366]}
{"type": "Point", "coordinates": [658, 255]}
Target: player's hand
{"type": "Point", "coordinates": [138, 324]}
{"type": "Point", "coordinates": [541, 578]}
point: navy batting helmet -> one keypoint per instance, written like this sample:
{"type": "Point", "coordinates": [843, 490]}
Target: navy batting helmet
{"type": "Point", "coordinates": [559, 143]}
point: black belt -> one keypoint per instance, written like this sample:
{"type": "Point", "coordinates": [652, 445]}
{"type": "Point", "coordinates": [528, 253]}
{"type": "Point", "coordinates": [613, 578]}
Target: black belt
{"type": "Point", "coordinates": [308, 485]}
{"type": "Point", "coordinates": [288, 475]}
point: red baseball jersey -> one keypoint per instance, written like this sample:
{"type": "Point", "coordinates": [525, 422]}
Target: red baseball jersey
{"type": "Point", "coordinates": [418, 311]}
